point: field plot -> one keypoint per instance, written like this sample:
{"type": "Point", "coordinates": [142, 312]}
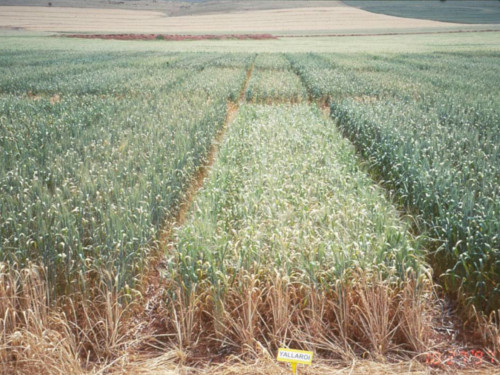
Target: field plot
{"type": "Point", "coordinates": [288, 219]}
{"type": "Point", "coordinates": [433, 138]}
{"type": "Point", "coordinates": [330, 185]}
{"type": "Point", "coordinates": [273, 80]}
{"type": "Point", "coordinates": [339, 19]}
{"type": "Point", "coordinates": [96, 153]}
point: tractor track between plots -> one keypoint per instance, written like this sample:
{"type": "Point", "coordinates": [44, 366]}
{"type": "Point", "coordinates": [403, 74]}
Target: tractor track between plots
{"type": "Point", "coordinates": [202, 172]}
{"type": "Point", "coordinates": [151, 282]}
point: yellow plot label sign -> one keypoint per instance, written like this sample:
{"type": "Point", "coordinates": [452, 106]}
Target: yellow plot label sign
{"type": "Point", "coordinates": [295, 356]}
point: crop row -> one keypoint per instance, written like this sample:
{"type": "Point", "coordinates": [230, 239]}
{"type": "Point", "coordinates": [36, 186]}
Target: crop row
{"type": "Point", "coordinates": [429, 124]}
{"type": "Point", "coordinates": [273, 81]}
{"type": "Point", "coordinates": [286, 203]}
{"type": "Point", "coordinates": [87, 177]}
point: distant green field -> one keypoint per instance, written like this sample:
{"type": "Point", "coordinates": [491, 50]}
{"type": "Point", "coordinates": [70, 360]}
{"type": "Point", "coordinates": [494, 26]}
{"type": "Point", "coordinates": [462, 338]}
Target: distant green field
{"type": "Point", "coordinates": [474, 41]}
{"type": "Point", "coordinates": [483, 12]}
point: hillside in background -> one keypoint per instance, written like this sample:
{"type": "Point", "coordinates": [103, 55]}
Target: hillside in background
{"type": "Point", "coordinates": [458, 11]}
{"type": "Point", "coordinates": [481, 11]}
{"type": "Point", "coordinates": [179, 8]}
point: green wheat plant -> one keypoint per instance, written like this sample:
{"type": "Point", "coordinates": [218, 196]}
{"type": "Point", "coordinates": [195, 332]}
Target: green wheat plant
{"type": "Point", "coordinates": [286, 203]}
{"type": "Point", "coordinates": [95, 158]}
{"type": "Point", "coordinates": [431, 134]}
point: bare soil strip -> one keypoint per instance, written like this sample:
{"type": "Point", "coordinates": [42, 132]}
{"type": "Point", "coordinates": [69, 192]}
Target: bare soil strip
{"type": "Point", "coordinates": [197, 182]}
{"type": "Point", "coordinates": [337, 19]}
{"type": "Point", "coordinates": [151, 282]}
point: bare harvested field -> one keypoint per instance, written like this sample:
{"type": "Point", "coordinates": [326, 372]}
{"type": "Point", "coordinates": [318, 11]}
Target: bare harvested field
{"type": "Point", "coordinates": [322, 19]}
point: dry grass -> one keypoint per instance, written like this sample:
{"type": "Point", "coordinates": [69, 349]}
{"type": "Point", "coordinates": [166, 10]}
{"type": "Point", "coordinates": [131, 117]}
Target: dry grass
{"type": "Point", "coordinates": [326, 19]}
{"type": "Point", "coordinates": [32, 340]}
{"type": "Point", "coordinates": [367, 318]}
{"type": "Point", "coordinates": [488, 329]}
{"type": "Point", "coordinates": [73, 336]}
{"type": "Point", "coordinates": [268, 366]}
{"type": "Point", "coordinates": [239, 336]}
